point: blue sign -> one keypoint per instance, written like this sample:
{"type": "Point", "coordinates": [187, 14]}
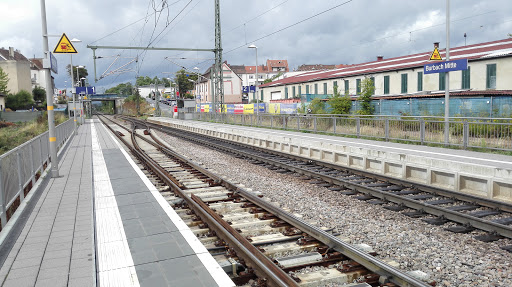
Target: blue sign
{"type": "Point", "coordinates": [447, 66]}
{"type": "Point", "coordinates": [85, 90]}
{"type": "Point", "coordinates": [248, 89]}
{"type": "Point", "coordinates": [53, 63]}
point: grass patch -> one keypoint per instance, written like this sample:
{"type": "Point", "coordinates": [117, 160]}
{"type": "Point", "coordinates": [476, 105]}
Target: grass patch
{"type": "Point", "coordinates": [13, 135]}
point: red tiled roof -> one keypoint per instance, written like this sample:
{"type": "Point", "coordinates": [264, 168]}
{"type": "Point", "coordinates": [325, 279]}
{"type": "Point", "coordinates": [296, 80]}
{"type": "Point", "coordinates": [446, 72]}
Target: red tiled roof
{"type": "Point", "coordinates": [500, 48]}
{"type": "Point", "coordinates": [277, 64]}
{"type": "Point", "coordinates": [37, 62]}
{"type": "Point", "coordinates": [17, 55]}
{"type": "Point", "coordinates": [452, 94]}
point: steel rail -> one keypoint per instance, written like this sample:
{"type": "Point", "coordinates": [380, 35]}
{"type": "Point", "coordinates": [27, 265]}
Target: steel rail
{"type": "Point", "coordinates": [386, 271]}
{"type": "Point", "coordinates": [494, 204]}
{"type": "Point", "coordinates": [252, 256]}
{"type": "Point", "coordinates": [461, 218]}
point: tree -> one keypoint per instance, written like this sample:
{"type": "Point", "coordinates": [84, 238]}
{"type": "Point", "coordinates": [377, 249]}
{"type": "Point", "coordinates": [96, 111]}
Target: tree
{"type": "Point", "coordinates": [317, 106]}
{"type": "Point", "coordinates": [125, 89]}
{"type": "Point", "coordinates": [365, 99]}
{"type": "Point", "coordinates": [82, 73]}
{"type": "Point", "coordinates": [266, 81]}
{"type": "Point", "coordinates": [339, 104]}
{"type": "Point", "coordinates": [21, 100]}
{"type": "Point", "coordinates": [143, 81]}
{"type": "Point", "coordinates": [182, 78]}
{"type": "Point", "coordinates": [4, 80]}
{"type": "Point", "coordinates": [39, 94]}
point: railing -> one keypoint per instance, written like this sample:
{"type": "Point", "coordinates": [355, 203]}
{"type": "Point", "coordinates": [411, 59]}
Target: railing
{"type": "Point", "coordinates": [486, 133]}
{"type": "Point", "coordinates": [21, 167]}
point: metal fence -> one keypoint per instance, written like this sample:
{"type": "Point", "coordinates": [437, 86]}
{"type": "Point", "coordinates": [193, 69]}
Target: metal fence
{"type": "Point", "coordinates": [20, 167]}
{"type": "Point", "coordinates": [486, 133]}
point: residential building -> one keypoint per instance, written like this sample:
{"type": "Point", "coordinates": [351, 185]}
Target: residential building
{"type": "Point", "coordinates": [489, 69]}
{"type": "Point", "coordinates": [232, 86]}
{"type": "Point", "coordinates": [17, 68]}
{"type": "Point", "coordinates": [272, 69]}
{"type": "Point", "coordinates": [146, 91]}
{"type": "Point", "coordinates": [2, 102]}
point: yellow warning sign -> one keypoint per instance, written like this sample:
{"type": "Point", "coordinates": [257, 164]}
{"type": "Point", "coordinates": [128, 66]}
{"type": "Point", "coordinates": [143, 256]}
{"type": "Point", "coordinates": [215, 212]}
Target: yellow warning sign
{"type": "Point", "coordinates": [436, 56]}
{"type": "Point", "coordinates": [64, 46]}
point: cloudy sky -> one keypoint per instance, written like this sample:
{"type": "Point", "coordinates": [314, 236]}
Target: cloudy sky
{"type": "Point", "coordinates": [348, 32]}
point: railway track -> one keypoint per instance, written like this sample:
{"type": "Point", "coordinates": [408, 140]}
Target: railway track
{"type": "Point", "coordinates": [436, 206]}
{"type": "Point", "coordinates": [256, 242]}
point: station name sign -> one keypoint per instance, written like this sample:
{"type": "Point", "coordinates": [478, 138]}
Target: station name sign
{"type": "Point", "coordinates": [447, 66]}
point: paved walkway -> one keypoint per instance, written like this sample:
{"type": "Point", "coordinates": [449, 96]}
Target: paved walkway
{"type": "Point", "coordinates": [103, 223]}
{"type": "Point", "coordinates": [56, 246]}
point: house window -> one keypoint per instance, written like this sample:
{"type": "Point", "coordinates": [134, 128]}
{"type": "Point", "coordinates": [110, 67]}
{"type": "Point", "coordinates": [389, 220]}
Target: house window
{"type": "Point", "coordinates": [442, 81]}
{"type": "Point", "coordinates": [335, 84]}
{"type": "Point", "coordinates": [300, 90]}
{"type": "Point", "coordinates": [358, 86]}
{"type": "Point", "coordinates": [261, 95]}
{"type": "Point", "coordinates": [466, 82]}
{"type": "Point", "coordinates": [420, 81]}
{"type": "Point", "coordinates": [346, 87]}
{"type": "Point", "coordinates": [293, 91]}
{"type": "Point", "coordinates": [491, 76]}
{"type": "Point", "coordinates": [325, 88]}
{"type": "Point", "coordinates": [386, 85]}
{"type": "Point", "coordinates": [404, 83]}
{"type": "Point", "coordinates": [307, 89]}
{"type": "Point", "coordinates": [286, 92]}
{"type": "Point", "coordinates": [316, 89]}
{"type": "Point", "coordinates": [373, 84]}
{"type": "Point", "coordinates": [251, 76]}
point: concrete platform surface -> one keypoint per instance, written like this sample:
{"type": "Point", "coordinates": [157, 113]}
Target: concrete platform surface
{"type": "Point", "coordinates": [480, 174]}
{"type": "Point", "coordinates": [102, 223]}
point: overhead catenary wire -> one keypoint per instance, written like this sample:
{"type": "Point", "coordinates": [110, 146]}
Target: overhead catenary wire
{"type": "Point", "coordinates": [292, 25]}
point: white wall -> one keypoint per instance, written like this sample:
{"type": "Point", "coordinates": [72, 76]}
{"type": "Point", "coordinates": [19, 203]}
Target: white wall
{"type": "Point", "coordinates": [478, 74]}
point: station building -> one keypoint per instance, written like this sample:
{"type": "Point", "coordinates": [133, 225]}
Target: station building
{"type": "Point", "coordinates": [488, 74]}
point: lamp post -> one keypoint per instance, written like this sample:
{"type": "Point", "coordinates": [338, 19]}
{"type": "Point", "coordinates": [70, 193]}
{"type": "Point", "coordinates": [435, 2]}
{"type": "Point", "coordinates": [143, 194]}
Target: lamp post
{"type": "Point", "coordinates": [73, 85]}
{"type": "Point", "coordinates": [52, 136]}
{"type": "Point", "coordinates": [78, 84]}
{"type": "Point", "coordinates": [256, 84]}
{"type": "Point", "coordinates": [447, 80]}
{"type": "Point", "coordinates": [197, 88]}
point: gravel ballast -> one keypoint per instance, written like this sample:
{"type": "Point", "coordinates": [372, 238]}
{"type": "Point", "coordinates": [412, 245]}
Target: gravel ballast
{"type": "Point", "coordinates": [449, 259]}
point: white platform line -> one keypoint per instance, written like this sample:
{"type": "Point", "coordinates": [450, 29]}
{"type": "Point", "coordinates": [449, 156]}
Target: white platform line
{"type": "Point", "coordinates": [217, 273]}
{"type": "Point", "coordinates": [115, 263]}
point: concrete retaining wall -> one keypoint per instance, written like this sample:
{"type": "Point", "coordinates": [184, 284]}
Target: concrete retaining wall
{"type": "Point", "coordinates": [478, 180]}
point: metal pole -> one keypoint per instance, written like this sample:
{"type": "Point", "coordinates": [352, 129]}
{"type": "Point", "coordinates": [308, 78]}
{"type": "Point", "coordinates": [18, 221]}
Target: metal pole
{"type": "Point", "coordinates": [49, 96]}
{"type": "Point", "coordinates": [157, 100]}
{"type": "Point", "coordinates": [74, 93]}
{"type": "Point", "coordinates": [447, 80]}
{"type": "Point", "coordinates": [256, 88]}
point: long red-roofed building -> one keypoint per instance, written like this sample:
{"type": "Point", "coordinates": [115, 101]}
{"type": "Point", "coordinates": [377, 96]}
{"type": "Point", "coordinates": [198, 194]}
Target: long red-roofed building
{"type": "Point", "coordinates": [490, 67]}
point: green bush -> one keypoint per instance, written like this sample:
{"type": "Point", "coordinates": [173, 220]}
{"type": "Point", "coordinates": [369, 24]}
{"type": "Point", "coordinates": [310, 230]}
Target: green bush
{"type": "Point", "coordinates": [21, 100]}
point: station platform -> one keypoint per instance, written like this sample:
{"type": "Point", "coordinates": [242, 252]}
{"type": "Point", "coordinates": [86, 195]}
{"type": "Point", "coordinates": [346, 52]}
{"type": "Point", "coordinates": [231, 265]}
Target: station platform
{"type": "Point", "coordinates": [483, 175]}
{"type": "Point", "coordinates": [102, 223]}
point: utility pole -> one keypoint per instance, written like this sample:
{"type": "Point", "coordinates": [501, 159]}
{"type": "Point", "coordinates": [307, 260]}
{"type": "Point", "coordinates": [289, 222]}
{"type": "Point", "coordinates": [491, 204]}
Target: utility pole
{"type": "Point", "coordinates": [218, 92]}
{"type": "Point", "coordinates": [52, 138]}
{"type": "Point", "coordinates": [447, 80]}
{"type": "Point", "coordinates": [137, 99]}
{"type": "Point", "coordinates": [157, 100]}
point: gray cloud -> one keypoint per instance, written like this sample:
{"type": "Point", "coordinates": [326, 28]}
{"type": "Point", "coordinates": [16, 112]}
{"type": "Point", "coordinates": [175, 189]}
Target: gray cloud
{"type": "Point", "coordinates": [353, 33]}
